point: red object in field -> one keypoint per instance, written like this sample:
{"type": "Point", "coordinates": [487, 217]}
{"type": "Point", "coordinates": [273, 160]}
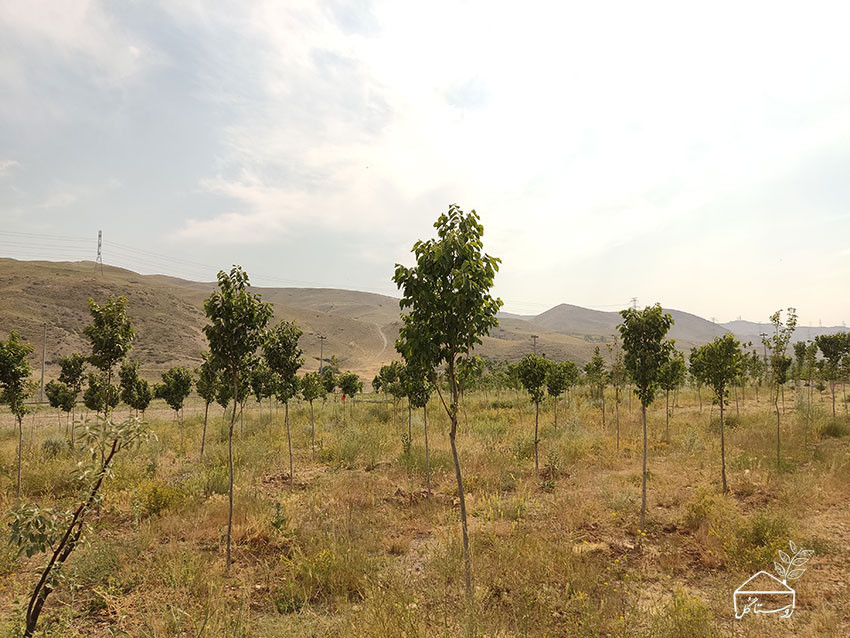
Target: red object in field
{"type": "Point", "coordinates": [343, 398]}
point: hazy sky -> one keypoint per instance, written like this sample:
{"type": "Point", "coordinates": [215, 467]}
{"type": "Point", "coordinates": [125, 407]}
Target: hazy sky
{"type": "Point", "coordinates": [699, 157]}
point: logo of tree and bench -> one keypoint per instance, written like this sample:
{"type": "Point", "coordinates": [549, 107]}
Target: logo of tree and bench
{"type": "Point", "coordinates": [764, 593]}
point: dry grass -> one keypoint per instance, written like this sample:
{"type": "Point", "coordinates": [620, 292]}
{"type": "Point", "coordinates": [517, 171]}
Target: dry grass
{"type": "Point", "coordinates": [357, 548]}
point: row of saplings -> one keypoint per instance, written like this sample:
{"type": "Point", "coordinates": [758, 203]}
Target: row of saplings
{"type": "Point", "coordinates": [244, 358]}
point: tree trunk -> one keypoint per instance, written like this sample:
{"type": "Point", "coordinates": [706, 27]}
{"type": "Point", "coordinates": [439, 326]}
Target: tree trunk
{"type": "Point", "coordinates": [204, 432]}
{"type": "Point", "coordinates": [555, 408]}
{"type": "Point", "coordinates": [427, 456]}
{"type": "Point", "coordinates": [643, 474]}
{"type": "Point", "coordinates": [722, 448]}
{"type": "Point", "coordinates": [20, 453]}
{"type": "Point", "coordinates": [776, 405]}
{"type": "Point", "coordinates": [312, 432]}
{"type": "Point", "coordinates": [667, 415]}
{"type": "Point", "coordinates": [832, 385]}
{"type": "Point", "coordinates": [737, 410]}
{"type": "Point", "coordinates": [699, 396]}
{"type": "Point", "coordinates": [230, 467]}
{"type": "Point", "coordinates": [409, 423]}
{"type": "Point", "coordinates": [288, 441]}
{"type": "Point", "coordinates": [452, 411]}
{"type": "Point", "coordinates": [602, 394]}
{"type": "Point", "coordinates": [617, 414]}
{"type": "Point", "coordinates": [536, 417]}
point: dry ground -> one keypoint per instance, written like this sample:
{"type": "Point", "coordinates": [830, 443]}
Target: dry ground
{"type": "Point", "coordinates": [356, 547]}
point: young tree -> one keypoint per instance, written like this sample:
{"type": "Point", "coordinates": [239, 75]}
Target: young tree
{"type": "Point", "coordinates": [35, 530]}
{"type": "Point", "coordinates": [390, 377]}
{"type": "Point", "coordinates": [449, 310]}
{"type": "Point", "coordinates": [532, 374]}
{"type": "Point", "coordinates": [719, 366]}
{"type": "Point", "coordinates": [71, 373]}
{"type": "Point", "coordinates": [418, 392]}
{"type": "Point", "coordinates": [672, 377]}
{"type": "Point", "coordinates": [262, 383]}
{"type": "Point", "coordinates": [61, 397]}
{"type": "Point", "coordinates": [780, 363]}
{"type": "Point", "coordinates": [208, 386]}
{"type": "Point", "coordinates": [14, 373]}
{"type": "Point", "coordinates": [283, 358]}
{"type": "Point", "coordinates": [618, 377]}
{"type": "Point", "coordinates": [832, 347]}
{"type": "Point", "coordinates": [238, 321]}
{"type": "Point", "coordinates": [111, 334]}
{"type": "Point", "coordinates": [175, 387]}
{"type": "Point", "coordinates": [141, 396]}
{"type": "Point", "coordinates": [469, 373]}
{"type": "Point", "coordinates": [128, 375]}
{"type": "Point", "coordinates": [100, 395]}
{"type": "Point", "coordinates": [312, 389]}
{"type": "Point", "coordinates": [557, 379]}
{"type": "Point", "coordinates": [646, 352]}
{"type": "Point", "coordinates": [596, 379]}
{"type": "Point", "coordinates": [350, 384]}
{"type": "Point", "coordinates": [757, 369]}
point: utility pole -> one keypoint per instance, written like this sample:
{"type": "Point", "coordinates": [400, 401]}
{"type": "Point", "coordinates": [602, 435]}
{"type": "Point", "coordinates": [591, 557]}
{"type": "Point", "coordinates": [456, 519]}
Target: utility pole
{"type": "Point", "coordinates": [321, 352]}
{"type": "Point", "coordinates": [763, 336]}
{"type": "Point", "coordinates": [43, 356]}
{"type": "Point", "coordinates": [534, 338]}
{"type": "Point", "coordinates": [633, 302]}
{"type": "Point", "coordinates": [99, 259]}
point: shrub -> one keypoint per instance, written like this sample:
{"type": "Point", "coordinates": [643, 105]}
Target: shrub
{"type": "Point", "coordinates": [684, 615]}
{"type": "Point", "coordinates": [752, 543]}
{"type": "Point", "coordinates": [154, 497]}
{"type": "Point", "coordinates": [52, 448]}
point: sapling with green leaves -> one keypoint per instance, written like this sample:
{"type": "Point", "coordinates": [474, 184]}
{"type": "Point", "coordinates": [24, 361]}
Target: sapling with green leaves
{"type": "Point", "coordinates": [72, 373]}
{"type": "Point", "coordinates": [390, 378]}
{"type": "Point", "coordinates": [208, 385]}
{"type": "Point", "coordinates": [35, 530]}
{"type": "Point", "coordinates": [238, 320]}
{"type": "Point", "coordinates": [14, 387]}
{"type": "Point", "coordinates": [100, 395]}
{"type": "Point", "coordinates": [646, 352]}
{"type": "Point", "coordinates": [61, 397]}
{"type": "Point", "coordinates": [350, 384]}
{"type": "Point", "coordinates": [175, 387]}
{"type": "Point", "coordinates": [779, 364]}
{"type": "Point", "coordinates": [832, 348]}
{"type": "Point", "coordinates": [283, 358]}
{"type": "Point", "coordinates": [596, 377]}
{"type": "Point", "coordinates": [111, 335]}
{"type": "Point", "coordinates": [618, 377]}
{"type": "Point", "coordinates": [672, 377]}
{"type": "Point", "coordinates": [141, 396]}
{"type": "Point", "coordinates": [262, 383]}
{"type": "Point", "coordinates": [719, 366]}
{"type": "Point", "coordinates": [312, 389]}
{"type": "Point", "coordinates": [448, 305]}
{"type": "Point", "coordinates": [532, 373]}
{"type": "Point", "coordinates": [128, 374]}
{"type": "Point", "coordinates": [419, 389]}
{"type": "Point", "coordinates": [557, 378]}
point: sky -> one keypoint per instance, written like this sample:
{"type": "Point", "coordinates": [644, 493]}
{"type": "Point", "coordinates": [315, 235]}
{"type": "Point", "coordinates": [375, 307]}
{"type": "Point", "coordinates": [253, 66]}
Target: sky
{"type": "Point", "coordinates": [694, 154]}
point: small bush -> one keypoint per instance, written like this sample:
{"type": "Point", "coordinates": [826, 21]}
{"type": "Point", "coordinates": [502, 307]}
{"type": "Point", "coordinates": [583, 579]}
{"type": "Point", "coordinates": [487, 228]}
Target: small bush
{"type": "Point", "coordinates": [834, 428]}
{"type": "Point", "coordinates": [684, 616]}
{"type": "Point", "coordinates": [52, 448]}
{"type": "Point", "coordinates": [752, 543]}
{"type": "Point", "coordinates": [154, 497]}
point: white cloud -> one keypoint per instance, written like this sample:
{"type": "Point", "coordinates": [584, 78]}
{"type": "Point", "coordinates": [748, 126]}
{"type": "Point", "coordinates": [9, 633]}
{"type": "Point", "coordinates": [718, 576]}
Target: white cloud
{"type": "Point", "coordinates": [6, 166]}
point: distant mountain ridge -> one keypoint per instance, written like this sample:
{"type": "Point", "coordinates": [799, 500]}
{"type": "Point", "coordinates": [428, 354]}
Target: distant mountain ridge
{"type": "Point", "coordinates": [360, 328]}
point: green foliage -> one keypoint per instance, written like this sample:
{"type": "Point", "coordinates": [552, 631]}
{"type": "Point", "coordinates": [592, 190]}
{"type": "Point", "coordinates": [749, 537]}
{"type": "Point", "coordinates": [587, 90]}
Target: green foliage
{"type": "Point", "coordinates": [560, 376]}
{"type": "Point", "coordinates": [59, 395]}
{"type": "Point", "coordinates": [329, 380]}
{"type": "Point", "coordinates": [673, 372]}
{"type": "Point", "coordinates": [100, 393]}
{"type": "Point", "coordinates": [237, 323]}
{"type": "Point", "coordinates": [14, 372]}
{"type": "Point", "coordinates": [595, 372]}
{"type": "Point", "coordinates": [175, 387]}
{"type": "Point", "coordinates": [283, 358]}
{"type": "Point", "coordinates": [262, 382]}
{"type": "Point", "coordinates": [780, 364]}
{"type": "Point", "coordinates": [111, 332]}
{"type": "Point", "coordinates": [72, 370]}
{"type": "Point", "coordinates": [684, 615]}
{"type": "Point", "coordinates": [646, 350]}
{"type": "Point", "coordinates": [533, 371]}
{"type": "Point", "coordinates": [141, 395]}
{"type": "Point", "coordinates": [154, 497]}
{"type": "Point", "coordinates": [417, 386]}
{"type": "Point", "coordinates": [33, 529]}
{"type": "Point", "coordinates": [718, 364]}
{"type": "Point", "coordinates": [470, 370]}
{"type": "Point", "coordinates": [390, 379]}
{"type": "Point", "coordinates": [128, 375]}
{"type": "Point", "coordinates": [209, 379]}
{"type": "Point", "coordinates": [312, 387]}
{"type": "Point", "coordinates": [350, 384]}
{"type": "Point", "coordinates": [446, 295]}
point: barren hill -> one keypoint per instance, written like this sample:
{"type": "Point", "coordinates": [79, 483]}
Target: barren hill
{"type": "Point", "coordinates": [360, 327]}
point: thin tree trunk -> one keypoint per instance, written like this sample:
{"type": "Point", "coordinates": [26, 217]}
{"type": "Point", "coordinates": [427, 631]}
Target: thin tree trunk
{"type": "Point", "coordinates": [204, 432]}
{"type": "Point", "coordinates": [288, 441]}
{"type": "Point", "coordinates": [643, 474]}
{"type": "Point", "coordinates": [602, 394]}
{"type": "Point", "coordinates": [617, 415]}
{"type": "Point", "coordinates": [555, 408]}
{"type": "Point", "coordinates": [832, 385]}
{"type": "Point", "coordinates": [536, 417]}
{"type": "Point", "coordinates": [20, 453]}
{"type": "Point", "coordinates": [737, 410]}
{"type": "Point", "coordinates": [427, 456]}
{"type": "Point", "coordinates": [230, 467]}
{"type": "Point", "coordinates": [409, 423]}
{"type": "Point", "coordinates": [312, 432]}
{"type": "Point", "coordinates": [776, 405]}
{"type": "Point", "coordinates": [699, 396]}
{"type": "Point", "coordinates": [667, 415]}
{"type": "Point", "coordinates": [722, 448]}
